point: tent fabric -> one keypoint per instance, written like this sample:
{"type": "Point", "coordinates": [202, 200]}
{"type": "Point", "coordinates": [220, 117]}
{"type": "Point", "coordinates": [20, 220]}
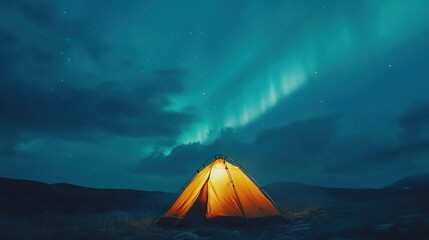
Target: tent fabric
{"type": "Point", "coordinates": [222, 189]}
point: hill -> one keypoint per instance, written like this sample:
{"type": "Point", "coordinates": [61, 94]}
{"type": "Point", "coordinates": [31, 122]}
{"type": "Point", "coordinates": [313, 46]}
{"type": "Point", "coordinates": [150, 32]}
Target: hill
{"type": "Point", "coordinates": [23, 197]}
{"type": "Point", "coordinates": [417, 182]}
{"type": "Point", "coordinates": [296, 195]}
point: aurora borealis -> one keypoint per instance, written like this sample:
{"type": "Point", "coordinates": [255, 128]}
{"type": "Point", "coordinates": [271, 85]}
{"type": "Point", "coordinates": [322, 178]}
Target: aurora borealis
{"type": "Point", "coordinates": [134, 94]}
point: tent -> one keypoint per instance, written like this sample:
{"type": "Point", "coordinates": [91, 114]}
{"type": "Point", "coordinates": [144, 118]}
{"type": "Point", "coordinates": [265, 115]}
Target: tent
{"type": "Point", "coordinates": [221, 192]}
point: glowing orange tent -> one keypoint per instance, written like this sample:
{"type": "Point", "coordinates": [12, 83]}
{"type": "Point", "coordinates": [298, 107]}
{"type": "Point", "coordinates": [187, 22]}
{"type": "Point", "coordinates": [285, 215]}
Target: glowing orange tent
{"type": "Point", "coordinates": [221, 192]}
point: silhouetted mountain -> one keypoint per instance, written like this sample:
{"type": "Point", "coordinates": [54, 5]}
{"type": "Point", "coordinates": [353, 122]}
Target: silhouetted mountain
{"type": "Point", "coordinates": [417, 182]}
{"type": "Point", "coordinates": [23, 197]}
{"type": "Point", "coordinates": [296, 194]}
{"type": "Point", "coordinates": [292, 194]}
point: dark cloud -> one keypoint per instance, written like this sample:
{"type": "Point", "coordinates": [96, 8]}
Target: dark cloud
{"type": "Point", "coordinates": [315, 146]}
{"type": "Point", "coordinates": [294, 147]}
{"type": "Point", "coordinates": [299, 140]}
{"type": "Point", "coordinates": [36, 100]}
{"type": "Point", "coordinates": [8, 143]}
{"type": "Point", "coordinates": [415, 122]}
{"type": "Point", "coordinates": [406, 150]}
{"type": "Point", "coordinates": [413, 140]}
{"type": "Point", "coordinates": [37, 12]}
{"type": "Point", "coordinates": [65, 109]}
{"type": "Point", "coordinates": [186, 158]}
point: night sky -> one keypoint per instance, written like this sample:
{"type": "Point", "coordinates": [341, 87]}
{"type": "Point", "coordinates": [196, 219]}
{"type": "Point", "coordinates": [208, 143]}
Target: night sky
{"type": "Point", "coordinates": [138, 94]}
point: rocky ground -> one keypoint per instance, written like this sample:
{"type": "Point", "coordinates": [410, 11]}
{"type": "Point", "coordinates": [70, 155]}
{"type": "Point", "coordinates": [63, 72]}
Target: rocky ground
{"type": "Point", "coordinates": [309, 223]}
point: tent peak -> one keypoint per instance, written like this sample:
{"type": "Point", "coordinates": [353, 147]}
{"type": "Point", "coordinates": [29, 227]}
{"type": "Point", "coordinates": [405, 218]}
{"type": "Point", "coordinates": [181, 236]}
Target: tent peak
{"type": "Point", "coordinates": [220, 156]}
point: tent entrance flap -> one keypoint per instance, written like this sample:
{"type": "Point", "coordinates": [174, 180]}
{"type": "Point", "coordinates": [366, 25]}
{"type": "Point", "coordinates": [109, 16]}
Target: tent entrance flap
{"type": "Point", "coordinates": [197, 213]}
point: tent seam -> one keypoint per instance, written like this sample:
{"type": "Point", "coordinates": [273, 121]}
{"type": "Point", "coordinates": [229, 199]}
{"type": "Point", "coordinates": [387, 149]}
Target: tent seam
{"type": "Point", "coordinates": [235, 191]}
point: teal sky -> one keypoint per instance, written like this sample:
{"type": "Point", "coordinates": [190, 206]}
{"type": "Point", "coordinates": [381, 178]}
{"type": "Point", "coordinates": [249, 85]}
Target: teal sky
{"type": "Point", "coordinates": [138, 94]}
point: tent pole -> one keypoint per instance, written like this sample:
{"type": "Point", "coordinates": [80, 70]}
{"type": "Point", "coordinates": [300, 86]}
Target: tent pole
{"type": "Point", "coordinates": [236, 193]}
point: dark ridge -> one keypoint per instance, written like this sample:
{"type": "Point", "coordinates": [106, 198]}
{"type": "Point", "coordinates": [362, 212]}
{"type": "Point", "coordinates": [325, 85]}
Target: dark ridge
{"type": "Point", "coordinates": [23, 197]}
{"type": "Point", "coordinates": [416, 182]}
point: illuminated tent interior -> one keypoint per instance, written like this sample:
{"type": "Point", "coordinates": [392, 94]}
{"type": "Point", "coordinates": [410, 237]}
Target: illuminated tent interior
{"type": "Point", "coordinates": [221, 192]}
